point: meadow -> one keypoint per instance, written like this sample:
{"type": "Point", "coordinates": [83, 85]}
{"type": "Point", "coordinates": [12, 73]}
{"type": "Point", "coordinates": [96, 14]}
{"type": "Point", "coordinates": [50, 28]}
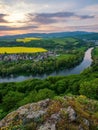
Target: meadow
{"type": "Point", "coordinates": [65, 41]}
{"type": "Point", "coordinates": [12, 50]}
{"type": "Point", "coordinates": [27, 39]}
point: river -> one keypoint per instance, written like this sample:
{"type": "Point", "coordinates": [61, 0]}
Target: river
{"type": "Point", "coordinates": [76, 70]}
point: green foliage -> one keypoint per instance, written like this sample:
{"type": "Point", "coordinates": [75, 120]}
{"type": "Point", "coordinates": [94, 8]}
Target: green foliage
{"type": "Point", "coordinates": [90, 89]}
{"type": "Point", "coordinates": [61, 86]}
{"type": "Point", "coordinates": [44, 93]}
{"type": "Point", "coordinates": [29, 97]}
{"type": "Point", "coordinates": [12, 98]}
{"type": "Point", "coordinates": [13, 95]}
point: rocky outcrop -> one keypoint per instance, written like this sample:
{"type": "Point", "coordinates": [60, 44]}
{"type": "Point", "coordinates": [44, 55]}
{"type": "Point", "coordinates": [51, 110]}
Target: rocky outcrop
{"type": "Point", "coordinates": [72, 114]}
{"type": "Point", "coordinates": [59, 114]}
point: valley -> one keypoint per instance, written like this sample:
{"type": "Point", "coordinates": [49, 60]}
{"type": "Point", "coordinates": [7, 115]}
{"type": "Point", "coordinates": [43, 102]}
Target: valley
{"type": "Point", "coordinates": [67, 68]}
{"type": "Point", "coordinates": [48, 64]}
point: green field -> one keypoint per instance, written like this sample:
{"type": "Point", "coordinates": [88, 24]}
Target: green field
{"type": "Point", "coordinates": [64, 56]}
{"type": "Point", "coordinates": [28, 39]}
{"type": "Point", "coordinates": [64, 41]}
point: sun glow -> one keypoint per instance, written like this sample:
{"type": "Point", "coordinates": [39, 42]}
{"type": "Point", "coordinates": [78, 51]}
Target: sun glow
{"type": "Point", "coordinates": [15, 17]}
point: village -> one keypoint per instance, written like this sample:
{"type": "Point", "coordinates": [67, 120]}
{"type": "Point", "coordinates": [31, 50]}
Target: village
{"type": "Point", "coordinates": [25, 56]}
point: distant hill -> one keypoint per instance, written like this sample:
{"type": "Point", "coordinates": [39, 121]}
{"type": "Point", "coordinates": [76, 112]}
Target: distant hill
{"type": "Point", "coordinates": [47, 35]}
{"type": "Point", "coordinates": [89, 36]}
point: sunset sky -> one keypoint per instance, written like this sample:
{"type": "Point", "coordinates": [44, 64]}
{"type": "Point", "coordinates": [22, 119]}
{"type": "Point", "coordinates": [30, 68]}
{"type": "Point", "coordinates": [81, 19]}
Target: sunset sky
{"type": "Point", "coordinates": [30, 16]}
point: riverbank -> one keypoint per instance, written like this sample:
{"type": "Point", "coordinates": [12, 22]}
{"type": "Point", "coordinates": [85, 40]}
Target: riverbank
{"type": "Point", "coordinates": [87, 61]}
{"type": "Point", "coordinates": [16, 94]}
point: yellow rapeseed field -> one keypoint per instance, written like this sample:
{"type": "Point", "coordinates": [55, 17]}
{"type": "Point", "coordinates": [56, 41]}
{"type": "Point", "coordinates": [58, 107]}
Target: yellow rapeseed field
{"type": "Point", "coordinates": [28, 39]}
{"type": "Point", "coordinates": [13, 50]}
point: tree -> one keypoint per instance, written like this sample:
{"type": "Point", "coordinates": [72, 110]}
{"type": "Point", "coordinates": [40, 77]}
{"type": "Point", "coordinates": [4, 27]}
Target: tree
{"type": "Point", "coordinates": [44, 93]}
{"type": "Point", "coordinates": [89, 88]}
{"type": "Point", "coordinates": [61, 86]}
{"type": "Point", "coordinates": [11, 99]}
